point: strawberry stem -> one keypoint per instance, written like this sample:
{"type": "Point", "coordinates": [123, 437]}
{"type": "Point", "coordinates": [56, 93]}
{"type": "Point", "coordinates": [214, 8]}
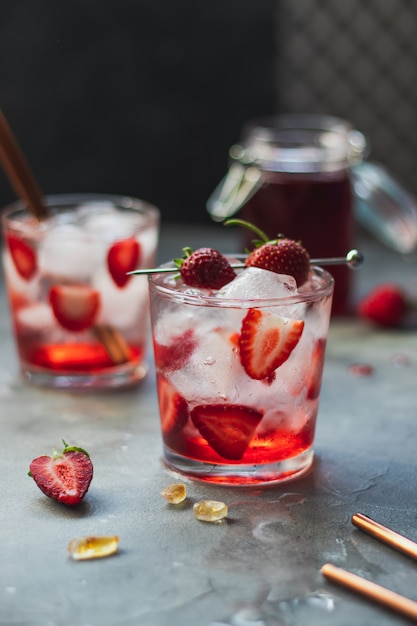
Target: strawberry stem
{"type": "Point", "coordinates": [236, 222]}
{"type": "Point", "coordinates": [187, 253]}
{"type": "Point", "coordinates": [68, 448]}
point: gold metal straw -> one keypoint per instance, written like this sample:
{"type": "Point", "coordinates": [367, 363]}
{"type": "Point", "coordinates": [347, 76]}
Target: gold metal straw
{"type": "Point", "coordinates": [386, 535]}
{"type": "Point", "coordinates": [377, 593]}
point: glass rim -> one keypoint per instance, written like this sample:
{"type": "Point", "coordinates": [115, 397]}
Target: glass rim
{"type": "Point", "coordinates": [66, 201]}
{"type": "Point", "coordinates": [311, 295]}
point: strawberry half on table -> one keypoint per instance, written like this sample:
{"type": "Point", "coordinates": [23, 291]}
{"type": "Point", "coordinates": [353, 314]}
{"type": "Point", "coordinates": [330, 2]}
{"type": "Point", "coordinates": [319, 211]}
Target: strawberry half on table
{"type": "Point", "coordinates": [64, 476]}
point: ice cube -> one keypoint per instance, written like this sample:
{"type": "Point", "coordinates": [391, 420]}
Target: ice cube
{"type": "Point", "coordinates": [147, 241]}
{"type": "Point", "coordinates": [122, 307]}
{"type": "Point", "coordinates": [67, 252]}
{"type": "Point", "coordinates": [174, 323]}
{"type": "Point", "coordinates": [94, 209]}
{"type": "Point", "coordinates": [36, 317]}
{"type": "Point", "coordinates": [213, 370]}
{"type": "Point", "coordinates": [254, 283]}
{"type": "Point", "coordinates": [257, 283]}
{"type": "Point", "coordinates": [102, 219]}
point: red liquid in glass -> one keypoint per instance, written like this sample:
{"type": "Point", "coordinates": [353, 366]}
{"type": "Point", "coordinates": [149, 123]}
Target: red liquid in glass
{"type": "Point", "coordinates": [83, 357]}
{"type": "Point", "coordinates": [315, 209]}
{"type": "Point", "coordinates": [276, 445]}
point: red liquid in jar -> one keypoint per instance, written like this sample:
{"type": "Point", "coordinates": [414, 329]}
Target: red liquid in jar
{"type": "Point", "coordinates": [315, 209]}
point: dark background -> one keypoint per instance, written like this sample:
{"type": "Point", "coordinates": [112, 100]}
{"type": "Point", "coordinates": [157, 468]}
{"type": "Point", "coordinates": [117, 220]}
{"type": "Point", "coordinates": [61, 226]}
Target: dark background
{"type": "Point", "coordinates": [137, 97]}
{"type": "Point", "coordinates": [145, 97]}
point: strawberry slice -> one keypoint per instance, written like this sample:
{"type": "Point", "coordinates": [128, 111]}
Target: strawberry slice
{"type": "Point", "coordinates": [316, 369]}
{"type": "Point", "coordinates": [24, 257]}
{"type": "Point", "coordinates": [122, 257]}
{"type": "Point", "coordinates": [266, 341]}
{"type": "Point", "coordinates": [75, 306]}
{"type": "Point", "coordinates": [65, 477]}
{"type": "Point", "coordinates": [175, 355]}
{"type": "Point", "coordinates": [172, 407]}
{"type": "Point", "coordinates": [227, 428]}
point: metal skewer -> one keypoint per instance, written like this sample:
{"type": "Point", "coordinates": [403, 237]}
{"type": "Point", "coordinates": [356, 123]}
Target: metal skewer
{"type": "Point", "coordinates": [353, 260]}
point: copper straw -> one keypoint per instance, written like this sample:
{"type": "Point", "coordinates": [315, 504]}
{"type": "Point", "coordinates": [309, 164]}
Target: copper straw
{"type": "Point", "coordinates": [27, 189]}
{"type": "Point", "coordinates": [377, 593]}
{"type": "Point", "coordinates": [18, 171]}
{"type": "Point", "coordinates": [386, 535]}
{"type": "Point", "coordinates": [114, 343]}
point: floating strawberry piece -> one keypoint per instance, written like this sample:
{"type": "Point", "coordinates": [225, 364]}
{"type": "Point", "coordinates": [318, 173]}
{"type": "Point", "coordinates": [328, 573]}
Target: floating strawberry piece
{"type": "Point", "coordinates": [385, 305]}
{"type": "Point", "coordinates": [65, 477]}
{"type": "Point", "coordinates": [24, 257]}
{"type": "Point", "coordinates": [227, 428]}
{"type": "Point", "coordinates": [122, 257]}
{"type": "Point", "coordinates": [174, 356]}
{"type": "Point", "coordinates": [75, 306]}
{"type": "Point", "coordinates": [205, 268]}
{"type": "Point", "coordinates": [315, 367]}
{"type": "Point", "coordinates": [172, 407]}
{"type": "Point", "coordinates": [266, 341]}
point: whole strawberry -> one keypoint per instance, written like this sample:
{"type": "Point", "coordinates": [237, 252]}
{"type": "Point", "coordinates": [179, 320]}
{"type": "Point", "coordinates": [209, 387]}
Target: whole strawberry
{"type": "Point", "coordinates": [205, 268]}
{"type": "Point", "coordinates": [385, 305]}
{"type": "Point", "coordinates": [281, 255]}
{"type": "Point", "coordinates": [64, 476]}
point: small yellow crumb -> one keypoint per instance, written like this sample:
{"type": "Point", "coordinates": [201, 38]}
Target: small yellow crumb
{"type": "Point", "coordinates": [175, 493]}
{"type": "Point", "coordinates": [84, 548]}
{"type": "Point", "coordinates": [210, 510]}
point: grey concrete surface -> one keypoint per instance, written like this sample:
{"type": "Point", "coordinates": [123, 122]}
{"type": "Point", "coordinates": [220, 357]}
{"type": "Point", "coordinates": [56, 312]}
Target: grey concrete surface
{"type": "Point", "coordinates": [261, 567]}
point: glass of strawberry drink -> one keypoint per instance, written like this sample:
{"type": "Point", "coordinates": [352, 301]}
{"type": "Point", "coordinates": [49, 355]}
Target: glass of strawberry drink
{"type": "Point", "coordinates": [239, 358]}
{"type": "Point", "coordinates": [79, 320]}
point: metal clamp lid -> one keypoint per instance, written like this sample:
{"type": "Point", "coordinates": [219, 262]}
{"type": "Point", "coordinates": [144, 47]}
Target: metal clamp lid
{"type": "Point", "coordinates": [384, 207]}
{"type": "Point", "coordinates": [239, 185]}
